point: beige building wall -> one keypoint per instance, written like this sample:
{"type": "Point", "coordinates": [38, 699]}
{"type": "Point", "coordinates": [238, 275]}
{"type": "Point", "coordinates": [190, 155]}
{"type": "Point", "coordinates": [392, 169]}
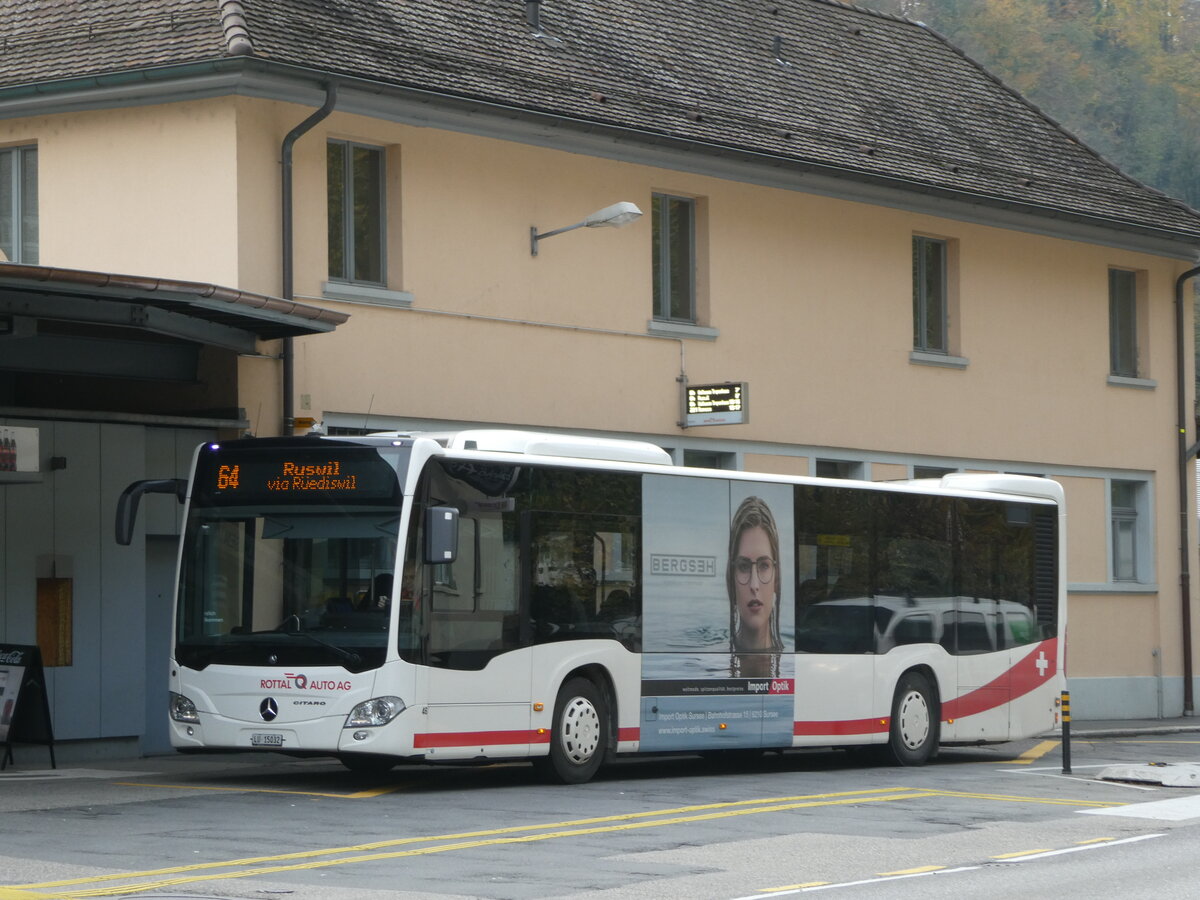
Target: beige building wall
{"type": "Point", "coordinates": [773, 464]}
{"type": "Point", "coordinates": [888, 472]}
{"type": "Point", "coordinates": [810, 297]}
{"type": "Point", "coordinates": [118, 199]}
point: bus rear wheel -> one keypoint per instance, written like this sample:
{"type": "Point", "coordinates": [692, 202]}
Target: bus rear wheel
{"type": "Point", "coordinates": [913, 737]}
{"type": "Point", "coordinates": [579, 736]}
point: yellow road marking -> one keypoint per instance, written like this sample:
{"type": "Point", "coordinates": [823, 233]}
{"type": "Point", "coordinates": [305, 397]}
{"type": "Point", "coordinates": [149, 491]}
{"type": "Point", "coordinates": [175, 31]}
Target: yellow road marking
{"type": "Point", "coordinates": [357, 795]}
{"type": "Point", "coordinates": [919, 870]}
{"type": "Point", "coordinates": [1103, 840]}
{"type": "Point", "coordinates": [1005, 798]}
{"type": "Point", "coordinates": [1034, 753]}
{"type": "Point", "coordinates": [1157, 741]}
{"type": "Point", "coordinates": [465, 845]}
{"type": "Point", "coordinates": [785, 887]}
{"type": "Point", "coordinates": [717, 810]}
{"type": "Point", "coordinates": [1021, 853]}
{"type": "Point", "coordinates": [335, 856]}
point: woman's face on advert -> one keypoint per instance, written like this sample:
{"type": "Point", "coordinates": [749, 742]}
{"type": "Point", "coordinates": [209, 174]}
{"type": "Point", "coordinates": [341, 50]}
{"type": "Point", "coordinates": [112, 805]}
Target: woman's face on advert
{"type": "Point", "coordinates": [754, 580]}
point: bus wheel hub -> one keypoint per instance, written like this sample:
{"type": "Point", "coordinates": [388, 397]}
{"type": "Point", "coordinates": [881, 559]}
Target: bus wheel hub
{"type": "Point", "coordinates": [581, 730]}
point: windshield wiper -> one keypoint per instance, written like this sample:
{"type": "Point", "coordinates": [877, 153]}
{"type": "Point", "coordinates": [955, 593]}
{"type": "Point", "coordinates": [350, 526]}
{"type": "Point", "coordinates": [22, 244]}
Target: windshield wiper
{"type": "Point", "coordinates": [347, 656]}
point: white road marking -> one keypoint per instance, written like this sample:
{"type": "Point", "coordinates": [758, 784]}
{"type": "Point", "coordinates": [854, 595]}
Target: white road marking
{"type": "Point", "coordinates": [846, 884]}
{"type": "Point", "coordinates": [1046, 853]}
{"type": "Point", "coordinates": [1018, 859]}
{"type": "Point", "coordinates": [1175, 810]}
{"type": "Point", "coordinates": [1056, 772]}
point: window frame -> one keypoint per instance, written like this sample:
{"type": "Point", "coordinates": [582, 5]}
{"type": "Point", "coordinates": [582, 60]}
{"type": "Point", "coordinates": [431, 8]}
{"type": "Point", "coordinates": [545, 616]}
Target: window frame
{"type": "Point", "coordinates": [1124, 357]}
{"type": "Point", "coordinates": [348, 239]}
{"type": "Point", "coordinates": [703, 458]}
{"type": "Point", "coordinates": [921, 471]}
{"type": "Point", "coordinates": [844, 469]}
{"type": "Point", "coordinates": [21, 212]}
{"type": "Point", "coordinates": [662, 252]}
{"type": "Point", "coordinates": [1133, 522]}
{"type": "Point", "coordinates": [921, 295]}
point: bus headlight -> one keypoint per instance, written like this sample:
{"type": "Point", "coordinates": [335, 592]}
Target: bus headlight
{"type": "Point", "coordinates": [183, 709]}
{"type": "Point", "coordinates": [373, 712]}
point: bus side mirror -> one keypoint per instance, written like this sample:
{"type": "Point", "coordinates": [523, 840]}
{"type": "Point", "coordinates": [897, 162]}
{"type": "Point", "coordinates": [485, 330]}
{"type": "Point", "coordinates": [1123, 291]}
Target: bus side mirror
{"type": "Point", "coordinates": [127, 504]}
{"type": "Point", "coordinates": [441, 534]}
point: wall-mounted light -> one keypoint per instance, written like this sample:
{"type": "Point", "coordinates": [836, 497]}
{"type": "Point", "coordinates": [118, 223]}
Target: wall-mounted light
{"type": "Point", "coordinates": [611, 216]}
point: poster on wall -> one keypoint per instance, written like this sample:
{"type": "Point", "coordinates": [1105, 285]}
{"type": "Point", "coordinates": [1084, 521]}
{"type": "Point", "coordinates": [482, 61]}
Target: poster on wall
{"type": "Point", "coordinates": [19, 449]}
{"type": "Point", "coordinates": [24, 707]}
{"type": "Point", "coordinates": [718, 618]}
{"type": "Point", "coordinates": [10, 680]}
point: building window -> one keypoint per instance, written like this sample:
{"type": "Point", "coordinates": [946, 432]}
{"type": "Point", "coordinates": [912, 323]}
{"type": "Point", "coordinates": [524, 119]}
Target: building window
{"type": "Point", "coordinates": [673, 220]}
{"type": "Point", "coordinates": [1122, 323]}
{"type": "Point", "coordinates": [839, 468]}
{"type": "Point", "coordinates": [930, 295]}
{"type": "Point", "coordinates": [931, 471]}
{"type": "Point", "coordinates": [356, 220]}
{"type": "Point", "coordinates": [1126, 499]}
{"type": "Point", "coordinates": [709, 459]}
{"type": "Point", "coordinates": [18, 205]}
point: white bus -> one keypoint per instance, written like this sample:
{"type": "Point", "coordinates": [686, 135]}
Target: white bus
{"type": "Point", "coordinates": [486, 595]}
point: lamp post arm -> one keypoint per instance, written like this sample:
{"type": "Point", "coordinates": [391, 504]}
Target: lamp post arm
{"type": "Point", "coordinates": [534, 237]}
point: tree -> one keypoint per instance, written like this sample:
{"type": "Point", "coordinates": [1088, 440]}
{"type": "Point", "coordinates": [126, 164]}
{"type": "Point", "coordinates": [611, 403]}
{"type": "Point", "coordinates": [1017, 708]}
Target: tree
{"type": "Point", "coordinates": [1123, 75]}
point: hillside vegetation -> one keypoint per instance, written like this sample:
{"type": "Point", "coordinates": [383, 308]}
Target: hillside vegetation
{"type": "Point", "coordinates": [1123, 75]}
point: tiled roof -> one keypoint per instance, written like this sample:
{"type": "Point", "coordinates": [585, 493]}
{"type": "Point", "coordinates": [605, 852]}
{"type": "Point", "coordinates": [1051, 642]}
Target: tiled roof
{"type": "Point", "coordinates": [46, 40]}
{"type": "Point", "coordinates": [815, 82]}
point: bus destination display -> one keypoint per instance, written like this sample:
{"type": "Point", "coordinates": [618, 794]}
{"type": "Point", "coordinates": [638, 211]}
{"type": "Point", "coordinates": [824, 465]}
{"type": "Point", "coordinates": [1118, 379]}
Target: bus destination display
{"type": "Point", "coordinates": [294, 476]}
{"type": "Point", "coordinates": [238, 475]}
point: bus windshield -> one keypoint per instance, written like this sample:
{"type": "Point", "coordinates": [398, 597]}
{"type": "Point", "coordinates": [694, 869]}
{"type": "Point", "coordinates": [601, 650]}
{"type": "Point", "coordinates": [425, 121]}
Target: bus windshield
{"type": "Point", "coordinates": [288, 559]}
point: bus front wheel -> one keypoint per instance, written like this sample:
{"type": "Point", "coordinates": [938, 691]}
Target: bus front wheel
{"type": "Point", "coordinates": [579, 735]}
{"type": "Point", "coordinates": [913, 737]}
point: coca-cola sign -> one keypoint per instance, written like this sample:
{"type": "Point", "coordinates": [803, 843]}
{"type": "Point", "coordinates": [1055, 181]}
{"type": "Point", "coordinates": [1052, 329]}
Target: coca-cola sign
{"type": "Point", "coordinates": [18, 449]}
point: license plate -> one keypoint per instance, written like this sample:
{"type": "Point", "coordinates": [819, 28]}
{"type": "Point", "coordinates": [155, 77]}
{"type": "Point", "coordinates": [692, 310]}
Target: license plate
{"type": "Point", "coordinates": [266, 740]}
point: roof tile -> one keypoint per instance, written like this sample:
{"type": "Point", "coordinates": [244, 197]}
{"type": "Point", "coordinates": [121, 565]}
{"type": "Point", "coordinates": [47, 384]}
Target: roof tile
{"type": "Point", "coordinates": [862, 93]}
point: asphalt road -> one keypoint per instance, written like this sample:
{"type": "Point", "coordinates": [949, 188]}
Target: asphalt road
{"type": "Point", "coordinates": [996, 821]}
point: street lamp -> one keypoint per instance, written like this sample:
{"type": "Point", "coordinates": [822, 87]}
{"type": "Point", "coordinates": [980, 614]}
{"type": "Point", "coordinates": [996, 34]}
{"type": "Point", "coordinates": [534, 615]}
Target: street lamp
{"type": "Point", "coordinates": [611, 216]}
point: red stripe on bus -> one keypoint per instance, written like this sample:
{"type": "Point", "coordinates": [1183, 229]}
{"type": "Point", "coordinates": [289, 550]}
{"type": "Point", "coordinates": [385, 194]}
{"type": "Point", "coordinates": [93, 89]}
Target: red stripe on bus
{"type": "Point", "coordinates": [1030, 672]}
{"type": "Point", "coordinates": [497, 738]}
{"type": "Point", "coordinates": [842, 727]}
{"type": "Point", "coordinates": [480, 738]}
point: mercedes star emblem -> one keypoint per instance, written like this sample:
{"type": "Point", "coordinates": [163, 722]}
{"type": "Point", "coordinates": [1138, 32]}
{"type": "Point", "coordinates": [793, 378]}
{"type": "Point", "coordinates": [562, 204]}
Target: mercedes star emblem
{"type": "Point", "coordinates": [268, 709]}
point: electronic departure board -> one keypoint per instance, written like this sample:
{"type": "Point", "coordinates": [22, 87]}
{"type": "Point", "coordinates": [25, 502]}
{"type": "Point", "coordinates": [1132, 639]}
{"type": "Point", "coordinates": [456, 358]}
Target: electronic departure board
{"type": "Point", "coordinates": [237, 474]}
{"type": "Point", "coordinates": [717, 404]}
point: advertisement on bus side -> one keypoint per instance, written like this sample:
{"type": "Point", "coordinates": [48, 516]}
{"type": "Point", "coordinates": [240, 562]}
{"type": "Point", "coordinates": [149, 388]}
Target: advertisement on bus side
{"type": "Point", "coordinates": [718, 617]}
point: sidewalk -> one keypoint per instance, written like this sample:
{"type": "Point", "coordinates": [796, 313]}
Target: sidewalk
{"type": "Point", "coordinates": [70, 755]}
{"type": "Point", "coordinates": [1118, 727]}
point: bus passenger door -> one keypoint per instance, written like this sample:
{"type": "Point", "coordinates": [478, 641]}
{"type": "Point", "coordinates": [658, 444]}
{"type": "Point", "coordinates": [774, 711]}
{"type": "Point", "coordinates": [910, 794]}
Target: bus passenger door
{"type": "Point", "coordinates": [984, 683]}
{"type": "Point", "coordinates": [477, 689]}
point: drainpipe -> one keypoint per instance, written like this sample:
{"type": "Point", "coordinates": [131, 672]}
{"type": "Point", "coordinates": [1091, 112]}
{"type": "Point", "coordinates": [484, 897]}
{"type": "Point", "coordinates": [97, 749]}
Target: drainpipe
{"type": "Point", "coordinates": [1186, 455]}
{"type": "Point", "coordinates": [287, 356]}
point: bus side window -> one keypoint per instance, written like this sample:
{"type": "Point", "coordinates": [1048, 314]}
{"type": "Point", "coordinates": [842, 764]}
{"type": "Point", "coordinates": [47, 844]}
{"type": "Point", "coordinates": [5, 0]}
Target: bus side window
{"type": "Point", "coordinates": [916, 629]}
{"type": "Point", "coordinates": [557, 613]}
{"type": "Point", "coordinates": [1019, 628]}
{"type": "Point", "coordinates": [584, 577]}
{"type": "Point", "coordinates": [973, 633]}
